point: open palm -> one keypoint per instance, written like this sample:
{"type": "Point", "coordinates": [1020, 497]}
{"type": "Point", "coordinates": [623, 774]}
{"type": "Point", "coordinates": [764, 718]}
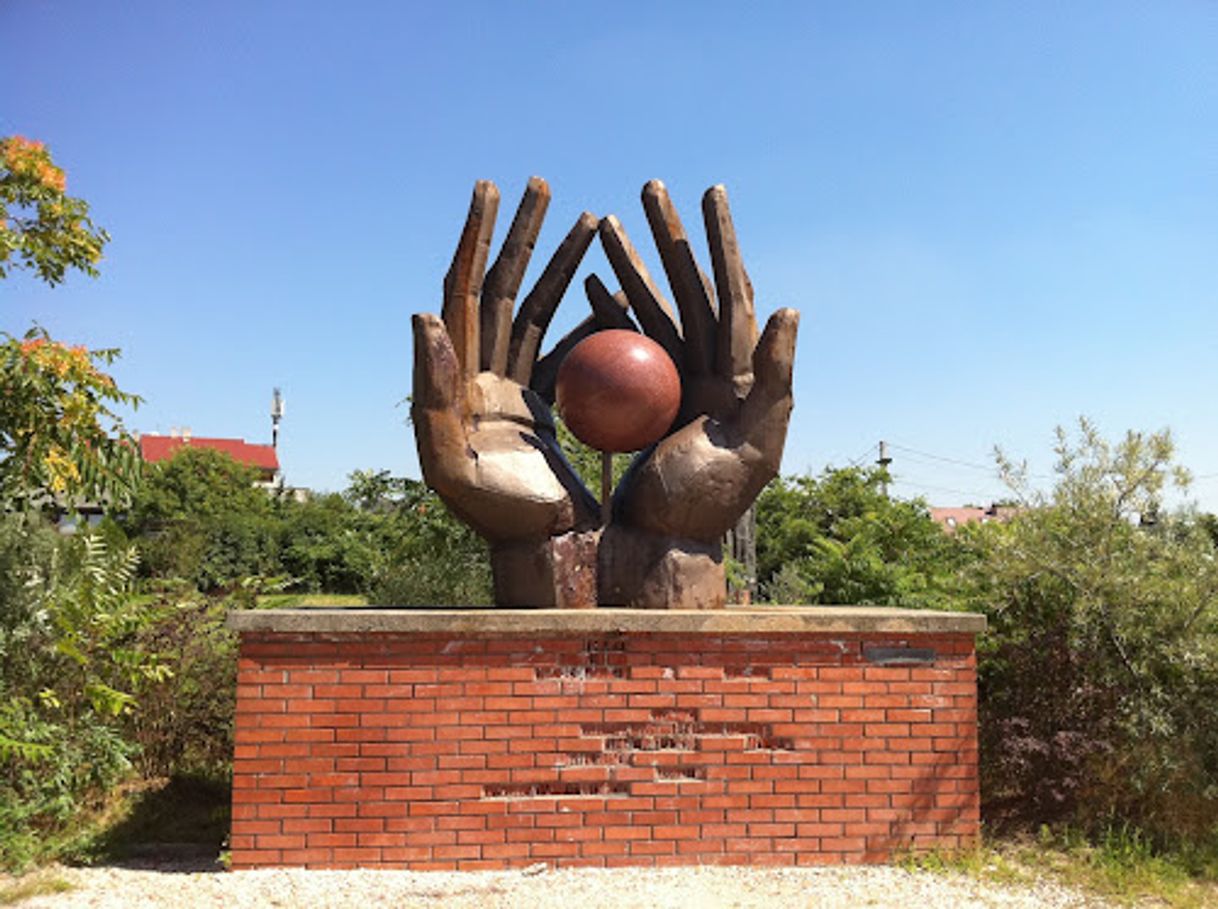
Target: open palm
{"type": "Point", "coordinates": [684, 493]}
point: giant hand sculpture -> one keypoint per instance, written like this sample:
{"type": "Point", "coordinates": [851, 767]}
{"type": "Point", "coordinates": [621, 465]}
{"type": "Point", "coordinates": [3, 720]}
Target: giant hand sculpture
{"type": "Point", "coordinates": [671, 510]}
{"type": "Point", "coordinates": [486, 440]}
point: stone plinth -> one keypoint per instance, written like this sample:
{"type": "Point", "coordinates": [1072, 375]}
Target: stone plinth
{"type": "Point", "coordinates": [496, 738]}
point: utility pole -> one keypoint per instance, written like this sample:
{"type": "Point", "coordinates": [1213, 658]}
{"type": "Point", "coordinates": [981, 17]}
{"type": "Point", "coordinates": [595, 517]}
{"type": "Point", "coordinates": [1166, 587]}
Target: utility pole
{"type": "Point", "coordinates": [884, 460]}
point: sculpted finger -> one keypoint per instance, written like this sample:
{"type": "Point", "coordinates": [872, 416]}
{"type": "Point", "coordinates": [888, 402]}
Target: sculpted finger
{"type": "Point", "coordinates": [464, 279]}
{"type": "Point", "coordinates": [774, 357]}
{"type": "Point", "coordinates": [649, 305]}
{"type": "Point", "coordinates": [545, 374]}
{"type": "Point", "coordinates": [437, 370]}
{"type": "Point", "coordinates": [767, 409]}
{"type": "Point", "coordinates": [737, 320]}
{"type": "Point", "coordinates": [538, 307]}
{"type": "Point", "coordinates": [689, 285]}
{"type": "Point", "coordinates": [503, 280]}
{"type": "Point", "coordinates": [609, 310]}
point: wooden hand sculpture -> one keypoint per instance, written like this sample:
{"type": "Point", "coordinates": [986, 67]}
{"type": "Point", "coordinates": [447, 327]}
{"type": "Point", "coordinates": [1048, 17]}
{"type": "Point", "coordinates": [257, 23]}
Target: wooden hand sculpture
{"type": "Point", "coordinates": [670, 511]}
{"type": "Point", "coordinates": [486, 440]}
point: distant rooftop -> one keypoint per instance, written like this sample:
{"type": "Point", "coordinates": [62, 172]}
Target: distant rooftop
{"type": "Point", "coordinates": [160, 448]}
{"type": "Point", "coordinates": [951, 518]}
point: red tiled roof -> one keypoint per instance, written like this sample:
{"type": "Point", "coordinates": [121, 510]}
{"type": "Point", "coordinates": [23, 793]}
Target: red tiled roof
{"type": "Point", "coordinates": [958, 515]}
{"type": "Point", "coordinates": [951, 518]}
{"type": "Point", "coordinates": [160, 448]}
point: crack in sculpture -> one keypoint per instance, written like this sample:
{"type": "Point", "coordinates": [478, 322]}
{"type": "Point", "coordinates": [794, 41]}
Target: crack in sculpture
{"type": "Point", "coordinates": [486, 438]}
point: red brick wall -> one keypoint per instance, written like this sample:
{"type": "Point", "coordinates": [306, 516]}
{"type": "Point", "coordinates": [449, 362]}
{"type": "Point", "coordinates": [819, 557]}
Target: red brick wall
{"type": "Point", "coordinates": [427, 751]}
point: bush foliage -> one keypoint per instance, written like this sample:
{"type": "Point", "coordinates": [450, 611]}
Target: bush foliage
{"type": "Point", "coordinates": [71, 670]}
{"type": "Point", "coordinates": [198, 516]}
{"type": "Point", "coordinates": [839, 539]}
{"type": "Point", "coordinates": [1099, 676]}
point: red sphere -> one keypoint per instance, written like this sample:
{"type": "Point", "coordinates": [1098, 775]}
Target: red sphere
{"type": "Point", "coordinates": [618, 391]}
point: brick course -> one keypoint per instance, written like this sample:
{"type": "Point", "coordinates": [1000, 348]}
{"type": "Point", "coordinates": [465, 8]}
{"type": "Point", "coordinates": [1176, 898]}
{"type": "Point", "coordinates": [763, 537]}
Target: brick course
{"type": "Point", "coordinates": [455, 751]}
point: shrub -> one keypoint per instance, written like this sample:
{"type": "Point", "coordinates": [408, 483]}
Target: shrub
{"type": "Point", "coordinates": [1099, 677]}
{"type": "Point", "coordinates": [43, 790]}
{"type": "Point", "coordinates": [185, 719]}
{"type": "Point", "coordinates": [69, 667]}
{"type": "Point", "coordinates": [424, 581]}
{"type": "Point", "coordinates": [431, 558]}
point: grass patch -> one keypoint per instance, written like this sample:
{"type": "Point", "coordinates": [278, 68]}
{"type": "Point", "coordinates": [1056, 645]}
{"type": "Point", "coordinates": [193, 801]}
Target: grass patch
{"type": "Point", "coordinates": [69, 842]}
{"type": "Point", "coordinates": [989, 862]}
{"type": "Point", "coordinates": [37, 883]}
{"type": "Point", "coordinates": [276, 600]}
{"type": "Point", "coordinates": [298, 600]}
{"type": "Point", "coordinates": [1122, 866]}
{"type": "Point", "coordinates": [180, 818]}
{"type": "Point", "coordinates": [175, 815]}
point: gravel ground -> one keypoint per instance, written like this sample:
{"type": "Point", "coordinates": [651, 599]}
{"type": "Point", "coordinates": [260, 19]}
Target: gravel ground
{"type": "Point", "coordinates": [539, 888]}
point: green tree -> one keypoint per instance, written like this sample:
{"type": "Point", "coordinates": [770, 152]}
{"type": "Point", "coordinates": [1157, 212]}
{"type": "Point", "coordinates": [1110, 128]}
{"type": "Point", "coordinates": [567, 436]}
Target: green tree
{"type": "Point", "coordinates": [196, 484]}
{"type": "Point", "coordinates": [60, 438]}
{"type": "Point", "coordinates": [200, 516]}
{"type": "Point", "coordinates": [42, 228]}
{"type": "Point", "coordinates": [374, 490]}
{"type": "Point", "coordinates": [1100, 671]}
{"type": "Point", "coordinates": [1209, 523]}
{"type": "Point", "coordinates": [427, 556]}
{"type": "Point", "coordinates": [838, 539]}
{"type": "Point", "coordinates": [73, 657]}
{"type": "Point", "coordinates": [327, 544]}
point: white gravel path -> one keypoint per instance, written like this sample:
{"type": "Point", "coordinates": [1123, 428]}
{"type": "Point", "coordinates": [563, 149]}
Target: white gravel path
{"type": "Point", "coordinates": [539, 888]}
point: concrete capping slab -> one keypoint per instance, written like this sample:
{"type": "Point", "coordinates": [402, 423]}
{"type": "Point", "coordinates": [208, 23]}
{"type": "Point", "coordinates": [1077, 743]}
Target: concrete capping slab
{"type": "Point", "coordinates": [482, 621]}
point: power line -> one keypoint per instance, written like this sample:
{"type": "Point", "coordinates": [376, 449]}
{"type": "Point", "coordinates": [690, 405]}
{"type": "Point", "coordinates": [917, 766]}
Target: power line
{"type": "Point", "coordinates": [971, 493]}
{"type": "Point", "coordinates": [917, 453]}
{"type": "Point", "coordinates": [855, 462]}
{"type": "Point", "coordinates": [927, 454]}
{"type": "Point", "coordinates": [991, 468]}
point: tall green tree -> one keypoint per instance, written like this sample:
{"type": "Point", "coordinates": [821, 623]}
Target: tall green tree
{"type": "Point", "coordinates": [200, 516]}
{"type": "Point", "coordinates": [69, 664]}
{"type": "Point", "coordinates": [196, 484]}
{"type": "Point", "coordinates": [375, 490]}
{"type": "Point", "coordinates": [60, 439]}
{"type": "Point", "coordinates": [838, 539]}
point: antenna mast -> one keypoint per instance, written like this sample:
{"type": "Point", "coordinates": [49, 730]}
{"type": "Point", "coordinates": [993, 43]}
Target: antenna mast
{"type": "Point", "coordinates": [276, 416]}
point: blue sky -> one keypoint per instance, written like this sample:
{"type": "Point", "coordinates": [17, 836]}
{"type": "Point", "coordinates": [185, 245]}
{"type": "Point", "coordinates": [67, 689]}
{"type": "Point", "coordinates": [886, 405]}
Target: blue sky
{"type": "Point", "coordinates": [994, 217]}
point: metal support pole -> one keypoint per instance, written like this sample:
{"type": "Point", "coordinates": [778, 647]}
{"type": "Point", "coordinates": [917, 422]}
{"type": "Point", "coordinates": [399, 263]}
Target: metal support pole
{"type": "Point", "coordinates": [606, 487]}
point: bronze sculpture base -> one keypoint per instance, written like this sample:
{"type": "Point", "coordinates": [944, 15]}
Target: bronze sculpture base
{"type": "Point", "coordinates": [583, 570]}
